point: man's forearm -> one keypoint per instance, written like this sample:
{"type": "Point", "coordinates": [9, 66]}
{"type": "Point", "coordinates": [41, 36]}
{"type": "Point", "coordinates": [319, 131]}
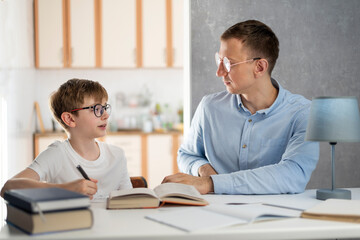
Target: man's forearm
{"type": "Point", "coordinates": [190, 164]}
{"type": "Point", "coordinates": [206, 170]}
{"type": "Point", "coordinates": [209, 183]}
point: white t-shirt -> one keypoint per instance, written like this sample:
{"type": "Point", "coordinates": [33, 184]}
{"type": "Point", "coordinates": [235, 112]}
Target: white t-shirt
{"type": "Point", "coordinates": [57, 164]}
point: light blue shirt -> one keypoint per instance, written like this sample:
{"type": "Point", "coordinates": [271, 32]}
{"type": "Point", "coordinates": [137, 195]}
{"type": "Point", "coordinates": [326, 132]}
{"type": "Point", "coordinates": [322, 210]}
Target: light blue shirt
{"type": "Point", "coordinates": [261, 153]}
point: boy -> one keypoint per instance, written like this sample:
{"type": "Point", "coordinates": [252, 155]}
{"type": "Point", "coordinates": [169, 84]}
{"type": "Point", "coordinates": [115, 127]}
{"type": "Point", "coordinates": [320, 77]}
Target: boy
{"type": "Point", "coordinates": [80, 106]}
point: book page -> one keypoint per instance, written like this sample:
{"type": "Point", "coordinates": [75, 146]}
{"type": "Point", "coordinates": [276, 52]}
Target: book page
{"type": "Point", "coordinates": [220, 215]}
{"type": "Point", "coordinates": [340, 207]}
{"type": "Point", "coordinates": [253, 212]}
{"type": "Point", "coordinates": [177, 189]}
{"type": "Point", "coordinates": [132, 191]}
{"type": "Point", "coordinates": [194, 219]}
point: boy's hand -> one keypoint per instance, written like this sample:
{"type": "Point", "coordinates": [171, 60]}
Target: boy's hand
{"type": "Point", "coordinates": [82, 186]}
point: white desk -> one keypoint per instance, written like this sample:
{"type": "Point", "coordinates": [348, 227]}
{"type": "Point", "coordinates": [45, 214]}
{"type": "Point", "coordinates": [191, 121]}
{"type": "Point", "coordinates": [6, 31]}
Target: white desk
{"type": "Point", "coordinates": [131, 224]}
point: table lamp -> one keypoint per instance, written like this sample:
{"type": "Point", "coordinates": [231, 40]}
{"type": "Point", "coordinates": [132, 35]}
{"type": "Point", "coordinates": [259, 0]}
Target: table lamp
{"type": "Point", "coordinates": [333, 119]}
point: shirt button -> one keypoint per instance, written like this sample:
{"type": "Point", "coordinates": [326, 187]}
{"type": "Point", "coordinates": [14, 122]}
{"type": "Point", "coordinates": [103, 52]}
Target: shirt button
{"type": "Point", "coordinates": [244, 146]}
{"type": "Point", "coordinates": [250, 120]}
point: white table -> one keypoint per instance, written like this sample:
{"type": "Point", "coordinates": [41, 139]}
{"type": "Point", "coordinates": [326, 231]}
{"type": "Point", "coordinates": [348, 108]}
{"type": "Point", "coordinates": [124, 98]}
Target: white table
{"type": "Point", "coordinates": [131, 224]}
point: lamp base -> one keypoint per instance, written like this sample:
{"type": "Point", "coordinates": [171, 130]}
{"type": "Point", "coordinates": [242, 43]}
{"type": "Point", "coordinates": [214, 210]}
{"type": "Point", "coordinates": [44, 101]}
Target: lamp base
{"type": "Point", "coordinates": [323, 194]}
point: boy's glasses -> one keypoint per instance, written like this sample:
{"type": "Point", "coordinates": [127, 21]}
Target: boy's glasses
{"type": "Point", "coordinates": [98, 109]}
{"type": "Point", "coordinates": [226, 62]}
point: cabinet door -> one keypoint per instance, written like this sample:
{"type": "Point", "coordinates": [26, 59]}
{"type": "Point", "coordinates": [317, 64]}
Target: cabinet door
{"type": "Point", "coordinates": [42, 142]}
{"type": "Point", "coordinates": [49, 34]}
{"type": "Point", "coordinates": [82, 33]}
{"type": "Point", "coordinates": [159, 158]}
{"type": "Point", "coordinates": [154, 33]}
{"type": "Point", "coordinates": [178, 32]}
{"type": "Point", "coordinates": [118, 33]}
{"type": "Point", "coordinates": [131, 144]}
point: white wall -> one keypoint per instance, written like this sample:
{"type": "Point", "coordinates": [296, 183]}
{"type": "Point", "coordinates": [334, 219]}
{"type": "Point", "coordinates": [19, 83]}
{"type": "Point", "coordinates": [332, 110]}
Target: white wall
{"type": "Point", "coordinates": [17, 79]}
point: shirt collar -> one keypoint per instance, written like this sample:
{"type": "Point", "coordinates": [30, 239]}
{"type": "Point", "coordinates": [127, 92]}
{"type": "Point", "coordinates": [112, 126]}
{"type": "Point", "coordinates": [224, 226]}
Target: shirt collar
{"type": "Point", "coordinates": [277, 101]}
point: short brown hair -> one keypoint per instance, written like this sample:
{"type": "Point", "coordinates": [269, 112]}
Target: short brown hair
{"type": "Point", "coordinates": [71, 94]}
{"type": "Point", "coordinates": [258, 38]}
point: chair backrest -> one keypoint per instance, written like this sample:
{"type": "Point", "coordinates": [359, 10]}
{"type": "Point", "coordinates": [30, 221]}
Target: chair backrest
{"type": "Point", "coordinates": [138, 182]}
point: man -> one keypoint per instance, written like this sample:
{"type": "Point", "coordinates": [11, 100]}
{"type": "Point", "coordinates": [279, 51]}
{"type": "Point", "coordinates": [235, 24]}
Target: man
{"type": "Point", "coordinates": [250, 138]}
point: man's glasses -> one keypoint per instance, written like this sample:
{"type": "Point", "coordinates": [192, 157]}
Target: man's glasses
{"type": "Point", "coordinates": [226, 62]}
{"type": "Point", "coordinates": [98, 109]}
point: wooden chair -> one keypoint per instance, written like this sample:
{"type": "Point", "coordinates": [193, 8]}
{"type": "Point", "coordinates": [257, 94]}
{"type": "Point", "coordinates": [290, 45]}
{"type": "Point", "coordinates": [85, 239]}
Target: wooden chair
{"type": "Point", "coordinates": [138, 182]}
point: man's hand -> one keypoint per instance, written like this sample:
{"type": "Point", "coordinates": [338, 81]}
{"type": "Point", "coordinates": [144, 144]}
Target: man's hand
{"type": "Point", "coordinates": [203, 184]}
{"type": "Point", "coordinates": [206, 170]}
{"type": "Point", "coordinates": [82, 186]}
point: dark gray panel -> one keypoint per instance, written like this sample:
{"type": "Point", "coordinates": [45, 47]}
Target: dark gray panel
{"type": "Point", "coordinates": [319, 55]}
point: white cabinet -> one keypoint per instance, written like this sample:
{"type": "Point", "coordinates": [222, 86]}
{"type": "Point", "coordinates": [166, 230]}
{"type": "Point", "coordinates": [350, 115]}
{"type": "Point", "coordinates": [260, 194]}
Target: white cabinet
{"type": "Point", "coordinates": [108, 33]}
{"type": "Point", "coordinates": [131, 144]}
{"type": "Point", "coordinates": [154, 33]}
{"type": "Point", "coordinates": [65, 33]}
{"type": "Point", "coordinates": [82, 33]}
{"type": "Point", "coordinates": [49, 45]}
{"type": "Point", "coordinates": [177, 32]}
{"type": "Point", "coordinates": [160, 158]}
{"type": "Point", "coordinates": [162, 28]}
{"type": "Point", "coordinates": [41, 143]}
{"type": "Point", "coordinates": [118, 33]}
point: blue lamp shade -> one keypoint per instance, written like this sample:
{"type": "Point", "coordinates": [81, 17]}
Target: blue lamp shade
{"type": "Point", "coordinates": [334, 119]}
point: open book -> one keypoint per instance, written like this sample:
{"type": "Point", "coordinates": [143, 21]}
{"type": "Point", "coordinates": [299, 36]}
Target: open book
{"type": "Point", "coordinates": [336, 210]}
{"type": "Point", "coordinates": [221, 215]}
{"type": "Point", "coordinates": [175, 193]}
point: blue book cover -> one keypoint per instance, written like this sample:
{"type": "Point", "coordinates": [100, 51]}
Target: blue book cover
{"type": "Point", "coordinates": [35, 200]}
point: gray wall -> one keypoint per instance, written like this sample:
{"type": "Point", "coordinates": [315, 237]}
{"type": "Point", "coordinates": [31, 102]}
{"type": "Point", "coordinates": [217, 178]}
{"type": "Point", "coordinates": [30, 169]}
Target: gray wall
{"type": "Point", "coordinates": [319, 56]}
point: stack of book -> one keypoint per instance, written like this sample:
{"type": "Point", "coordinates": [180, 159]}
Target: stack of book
{"type": "Point", "coordinates": [41, 210]}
